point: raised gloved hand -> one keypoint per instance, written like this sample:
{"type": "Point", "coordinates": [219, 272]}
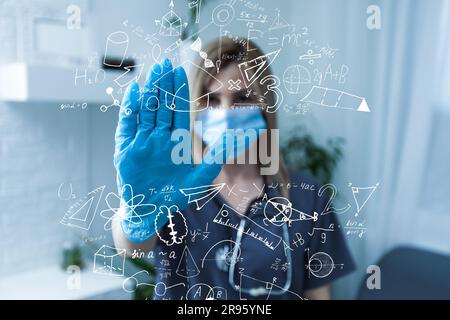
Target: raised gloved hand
{"type": "Point", "coordinates": [143, 150]}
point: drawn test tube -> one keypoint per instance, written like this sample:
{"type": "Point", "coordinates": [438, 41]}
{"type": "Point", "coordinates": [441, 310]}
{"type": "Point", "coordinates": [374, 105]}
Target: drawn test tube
{"type": "Point", "coordinates": [116, 46]}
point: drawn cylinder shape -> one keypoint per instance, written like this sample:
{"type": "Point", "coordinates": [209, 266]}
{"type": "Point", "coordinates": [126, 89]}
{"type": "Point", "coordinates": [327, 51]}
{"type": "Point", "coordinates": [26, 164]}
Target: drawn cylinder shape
{"type": "Point", "coordinates": [116, 46]}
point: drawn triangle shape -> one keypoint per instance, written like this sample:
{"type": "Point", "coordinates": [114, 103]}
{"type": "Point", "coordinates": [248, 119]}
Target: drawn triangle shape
{"type": "Point", "coordinates": [260, 63]}
{"type": "Point", "coordinates": [362, 195]}
{"type": "Point", "coordinates": [82, 213]}
{"type": "Point", "coordinates": [363, 107]}
{"type": "Point", "coordinates": [304, 216]}
{"type": "Point", "coordinates": [258, 66]}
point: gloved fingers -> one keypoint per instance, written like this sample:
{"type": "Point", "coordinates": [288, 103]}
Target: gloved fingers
{"type": "Point", "coordinates": [182, 107]}
{"type": "Point", "coordinates": [126, 194]}
{"type": "Point", "coordinates": [149, 103]}
{"type": "Point", "coordinates": [209, 168]}
{"type": "Point", "coordinates": [127, 125]}
{"type": "Point", "coordinates": [205, 173]}
{"type": "Point", "coordinates": [166, 97]}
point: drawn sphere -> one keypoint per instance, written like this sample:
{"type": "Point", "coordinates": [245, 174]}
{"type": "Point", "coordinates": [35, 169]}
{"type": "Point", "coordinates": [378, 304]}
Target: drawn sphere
{"type": "Point", "coordinates": [160, 288]}
{"type": "Point", "coordinates": [296, 78]}
{"type": "Point", "coordinates": [278, 210]}
{"type": "Point", "coordinates": [321, 264]}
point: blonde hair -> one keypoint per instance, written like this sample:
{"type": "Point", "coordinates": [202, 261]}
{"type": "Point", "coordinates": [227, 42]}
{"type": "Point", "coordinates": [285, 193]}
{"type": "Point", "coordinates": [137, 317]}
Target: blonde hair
{"type": "Point", "coordinates": [237, 52]}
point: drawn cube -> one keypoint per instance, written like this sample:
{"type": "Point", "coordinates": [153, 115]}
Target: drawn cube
{"type": "Point", "coordinates": [171, 25]}
{"type": "Point", "coordinates": [109, 261]}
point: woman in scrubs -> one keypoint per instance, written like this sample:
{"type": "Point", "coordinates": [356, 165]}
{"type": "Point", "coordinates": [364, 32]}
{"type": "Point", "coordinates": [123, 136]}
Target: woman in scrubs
{"type": "Point", "coordinates": [254, 235]}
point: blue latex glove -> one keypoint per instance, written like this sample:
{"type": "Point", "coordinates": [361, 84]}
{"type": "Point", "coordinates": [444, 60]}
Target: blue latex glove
{"type": "Point", "coordinates": [143, 149]}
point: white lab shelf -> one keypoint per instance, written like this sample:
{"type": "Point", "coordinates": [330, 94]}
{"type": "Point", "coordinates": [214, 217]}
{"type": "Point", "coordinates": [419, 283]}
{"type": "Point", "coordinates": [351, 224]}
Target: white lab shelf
{"type": "Point", "coordinates": [21, 82]}
{"type": "Point", "coordinates": [51, 284]}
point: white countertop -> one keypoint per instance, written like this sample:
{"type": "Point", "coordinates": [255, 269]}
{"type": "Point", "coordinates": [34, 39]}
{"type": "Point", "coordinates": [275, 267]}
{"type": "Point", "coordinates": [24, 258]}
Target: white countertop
{"type": "Point", "coordinates": [51, 284]}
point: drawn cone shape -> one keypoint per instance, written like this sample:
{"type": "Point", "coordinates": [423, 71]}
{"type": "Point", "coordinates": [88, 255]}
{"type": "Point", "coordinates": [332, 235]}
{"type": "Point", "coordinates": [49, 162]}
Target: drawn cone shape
{"type": "Point", "coordinates": [187, 268]}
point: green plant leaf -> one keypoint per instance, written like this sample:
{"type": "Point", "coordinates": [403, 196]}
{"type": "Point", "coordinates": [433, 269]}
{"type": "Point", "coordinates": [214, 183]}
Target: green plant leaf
{"type": "Point", "coordinates": [302, 153]}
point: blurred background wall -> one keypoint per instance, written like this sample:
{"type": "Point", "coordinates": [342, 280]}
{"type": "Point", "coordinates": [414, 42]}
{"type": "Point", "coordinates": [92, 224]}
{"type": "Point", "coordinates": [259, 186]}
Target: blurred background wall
{"type": "Point", "coordinates": [402, 70]}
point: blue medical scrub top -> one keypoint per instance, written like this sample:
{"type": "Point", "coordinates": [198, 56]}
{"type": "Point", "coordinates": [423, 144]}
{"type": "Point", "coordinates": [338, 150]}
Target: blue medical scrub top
{"type": "Point", "coordinates": [200, 266]}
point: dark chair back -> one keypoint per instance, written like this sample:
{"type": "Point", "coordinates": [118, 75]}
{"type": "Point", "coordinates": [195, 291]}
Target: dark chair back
{"type": "Point", "coordinates": [410, 274]}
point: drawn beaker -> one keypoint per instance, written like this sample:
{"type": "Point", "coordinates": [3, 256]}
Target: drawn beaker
{"type": "Point", "coordinates": [116, 47]}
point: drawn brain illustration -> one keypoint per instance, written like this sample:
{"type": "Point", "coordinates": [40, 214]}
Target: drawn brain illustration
{"type": "Point", "coordinates": [175, 230]}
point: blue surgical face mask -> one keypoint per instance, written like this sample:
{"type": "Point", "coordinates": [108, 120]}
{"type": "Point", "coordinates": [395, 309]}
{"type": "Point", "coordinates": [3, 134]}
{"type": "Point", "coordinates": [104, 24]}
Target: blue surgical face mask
{"type": "Point", "coordinates": [216, 122]}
